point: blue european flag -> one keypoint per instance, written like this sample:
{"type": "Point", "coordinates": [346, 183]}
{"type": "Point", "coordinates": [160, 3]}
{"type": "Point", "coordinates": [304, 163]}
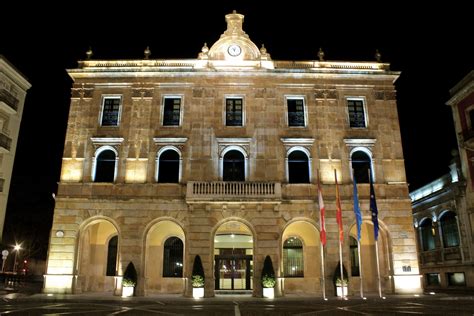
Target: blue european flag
{"type": "Point", "coordinates": [357, 213]}
{"type": "Point", "coordinates": [373, 207]}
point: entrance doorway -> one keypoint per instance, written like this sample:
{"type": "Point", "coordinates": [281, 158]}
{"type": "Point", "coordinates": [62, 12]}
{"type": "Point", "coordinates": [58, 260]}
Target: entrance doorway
{"type": "Point", "coordinates": [233, 257]}
{"type": "Point", "coordinates": [233, 271]}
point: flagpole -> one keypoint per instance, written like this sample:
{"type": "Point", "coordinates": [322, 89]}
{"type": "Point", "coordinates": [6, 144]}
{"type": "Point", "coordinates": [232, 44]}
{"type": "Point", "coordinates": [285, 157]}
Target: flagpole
{"type": "Point", "coordinates": [322, 236]}
{"type": "Point", "coordinates": [341, 270]}
{"type": "Point", "coordinates": [374, 211]}
{"type": "Point", "coordinates": [358, 218]}
{"type": "Point", "coordinates": [339, 218]}
{"type": "Point", "coordinates": [378, 266]}
{"type": "Point", "coordinates": [360, 272]}
{"type": "Point", "coordinates": [323, 274]}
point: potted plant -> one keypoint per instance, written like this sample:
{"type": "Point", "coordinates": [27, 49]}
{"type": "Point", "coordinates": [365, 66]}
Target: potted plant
{"type": "Point", "coordinates": [341, 283]}
{"type": "Point", "coordinates": [197, 278]}
{"type": "Point", "coordinates": [129, 280]}
{"type": "Point", "coordinates": [268, 278]}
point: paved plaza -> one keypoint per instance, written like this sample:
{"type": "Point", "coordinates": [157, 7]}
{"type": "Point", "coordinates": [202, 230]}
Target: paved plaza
{"type": "Point", "coordinates": [21, 303]}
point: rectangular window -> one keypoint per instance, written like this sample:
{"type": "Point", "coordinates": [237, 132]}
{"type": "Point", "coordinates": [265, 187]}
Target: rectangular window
{"type": "Point", "coordinates": [471, 118]}
{"type": "Point", "coordinates": [432, 279]}
{"type": "Point", "coordinates": [233, 111]}
{"type": "Point", "coordinates": [456, 279]}
{"type": "Point", "coordinates": [356, 113]}
{"type": "Point", "coordinates": [171, 112]}
{"type": "Point", "coordinates": [111, 111]}
{"type": "Point", "coordinates": [293, 262]}
{"type": "Point", "coordinates": [449, 226]}
{"type": "Point", "coordinates": [295, 112]}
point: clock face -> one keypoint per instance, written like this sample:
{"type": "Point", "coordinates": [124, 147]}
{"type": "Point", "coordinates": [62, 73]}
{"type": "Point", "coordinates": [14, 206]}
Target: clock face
{"type": "Point", "coordinates": [234, 50]}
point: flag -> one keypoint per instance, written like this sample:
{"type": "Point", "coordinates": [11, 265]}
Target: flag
{"type": "Point", "coordinates": [357, 213]}
{"type": "Point", "coordinates": [322, 211]}
{"type": "Point", "coordinates": [338, 211]}
{"type": "Point", "coordinates": [373, 207]}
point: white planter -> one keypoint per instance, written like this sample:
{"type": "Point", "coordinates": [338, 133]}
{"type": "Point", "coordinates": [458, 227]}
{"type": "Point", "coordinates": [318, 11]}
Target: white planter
{"type": "Point", "coordinates": [198, 292]}
{"type": "Point", "coordinates": [127, 291]}
{"type": "Point", "coordinates": [340, 289]}
{"type": "Point", "coordinates": [268, 292]}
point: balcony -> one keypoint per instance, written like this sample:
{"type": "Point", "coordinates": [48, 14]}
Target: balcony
{"type": "Point", "coordinates": [441, 256]}
{"type": "Point", "coordinates": [452, 254]}
{"type": "Point", "coordinates": [8, 102]}
{"type": "Point", "coordinates": [431, 257]}
{"type": "Point", "coordinates": [466, 138]}
{"type": "Point", "coordinates": [219, 191]}
{"type": "Point", "coordinates": [5, 143]}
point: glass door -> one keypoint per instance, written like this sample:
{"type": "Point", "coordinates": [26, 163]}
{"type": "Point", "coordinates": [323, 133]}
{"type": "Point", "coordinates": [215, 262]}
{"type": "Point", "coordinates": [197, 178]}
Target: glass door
{"type": "Point", "coordinates": [233, 272]}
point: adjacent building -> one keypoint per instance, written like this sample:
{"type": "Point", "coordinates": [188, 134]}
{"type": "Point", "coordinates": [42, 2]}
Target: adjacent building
{"type": "Point", "coordinates": [443, 210]}
{"type": "Point", "coordinates": [13, 87]}
{"type": "Point", "coordinates": [220, 156]}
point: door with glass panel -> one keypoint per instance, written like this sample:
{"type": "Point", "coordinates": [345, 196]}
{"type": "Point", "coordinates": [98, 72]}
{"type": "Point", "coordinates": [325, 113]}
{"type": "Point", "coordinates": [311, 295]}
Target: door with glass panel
{"type": "Point", "coordinates": [233, 272]}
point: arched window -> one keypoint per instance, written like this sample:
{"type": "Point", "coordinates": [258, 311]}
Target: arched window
{"type": "Point", "coordinates": [354, 256]}
{"type": "Point", "coordinates": [449, 229]}
{"type": "Point", "coordinates": [234, 166]}
{"type": "Point", "coordinates": [173, 258]}
{"type": "Point", "coordinates": [168, 167]}
{"type": "Point", "coordinates": [293, 264]}
{"type": "Point", "coordinates": [112, 256]}
{"type": "Point", "coordinates": [298, 167]}
{"type": "Point", "coordinates": [427, 232]}
{"type": "Point", "coordinates": [361, 165]}
{"type": "Point", "coordinates": [105, 166]}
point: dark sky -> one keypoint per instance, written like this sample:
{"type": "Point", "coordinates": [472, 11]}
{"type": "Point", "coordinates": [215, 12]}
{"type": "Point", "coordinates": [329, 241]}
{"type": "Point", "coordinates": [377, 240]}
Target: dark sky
{"type": "Point", "coordinates": [429, 45]}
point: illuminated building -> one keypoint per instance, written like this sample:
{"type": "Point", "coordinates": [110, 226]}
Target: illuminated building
{"type": "Point", "coordinates": [218, 157]}
{"type": "Point", "coordinates": [443, 210]}
{"type": "Point", "coordinates": [13, 86]}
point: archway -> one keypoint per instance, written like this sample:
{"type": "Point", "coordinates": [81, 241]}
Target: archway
{"type": "Point", "coordinates": [164, 258]}
{"type": "Point", "coordinates": [368, 259]}
{"type": "Point", "coordinates": [233, 257]}
{"type": "Point", "coordinates": [98, 257]}
{"type": "Point", "coordinates": [301, 258]}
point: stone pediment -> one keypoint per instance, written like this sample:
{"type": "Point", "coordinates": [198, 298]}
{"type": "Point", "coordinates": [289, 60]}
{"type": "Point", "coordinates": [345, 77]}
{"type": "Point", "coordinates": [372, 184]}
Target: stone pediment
{"type": "Point", "coordinates": [234, 48]}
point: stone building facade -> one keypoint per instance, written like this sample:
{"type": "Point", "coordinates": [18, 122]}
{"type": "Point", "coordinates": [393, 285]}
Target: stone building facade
{"type": "Point", "coordinates": [444, 232]}
{"type": "Point", "coordinates": [219, 157]}
{"type": "Point", "coordinates": [13, 87]}
{"type": "Point", "coordinates": [443, 210]}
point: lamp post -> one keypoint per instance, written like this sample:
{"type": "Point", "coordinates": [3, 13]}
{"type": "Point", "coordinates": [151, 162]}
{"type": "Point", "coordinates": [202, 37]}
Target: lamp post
{"type": "Point", "coordinates": [4, 258]}
{"type": "Point", "coordinates": [17, 249]}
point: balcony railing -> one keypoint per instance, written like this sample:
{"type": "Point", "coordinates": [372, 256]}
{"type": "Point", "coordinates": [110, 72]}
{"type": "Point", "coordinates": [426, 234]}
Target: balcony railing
{"type": "Point", "coordinates": [233, 191]}
{"type": "Point", "coordinates": [5, 143]}
{"type": "Point", "coordinates": [9, 100]}
{"type": "Point", "coordinates": [441, 255]}
{"type": "Point", "coordinates": [431, 256]}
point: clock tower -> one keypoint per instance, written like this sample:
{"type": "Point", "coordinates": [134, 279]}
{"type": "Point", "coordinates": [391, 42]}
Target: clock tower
{"type": "Point", "coordinates": [234, 49]}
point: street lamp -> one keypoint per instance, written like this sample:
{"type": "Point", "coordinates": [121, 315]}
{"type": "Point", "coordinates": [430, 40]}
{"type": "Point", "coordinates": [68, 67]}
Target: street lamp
{"type": "Point", "coordinates": [4, 257]}
{"type": "Point", "coordinates": [17, 249]}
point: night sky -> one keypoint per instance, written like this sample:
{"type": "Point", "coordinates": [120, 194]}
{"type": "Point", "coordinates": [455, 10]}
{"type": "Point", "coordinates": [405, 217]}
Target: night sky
{"type": "Point", "coordinates": [428, 45]}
